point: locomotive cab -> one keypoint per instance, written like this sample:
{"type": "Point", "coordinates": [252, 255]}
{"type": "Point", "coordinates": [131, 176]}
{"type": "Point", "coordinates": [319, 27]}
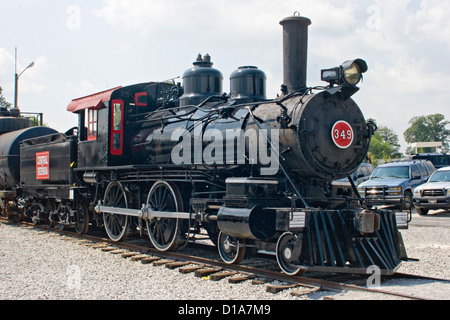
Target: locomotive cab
{"type": "Point", "coordinates": [108, 120]}
{"type": "Point", "coordinates": [92, 128]}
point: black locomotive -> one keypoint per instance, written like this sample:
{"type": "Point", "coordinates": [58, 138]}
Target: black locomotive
{"type": "Point", "coordinates": [175, 161]}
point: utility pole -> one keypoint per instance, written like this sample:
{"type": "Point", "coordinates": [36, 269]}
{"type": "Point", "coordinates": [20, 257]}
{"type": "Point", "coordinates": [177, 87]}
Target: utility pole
{"type": "Point", "coordinates": [16, 79]}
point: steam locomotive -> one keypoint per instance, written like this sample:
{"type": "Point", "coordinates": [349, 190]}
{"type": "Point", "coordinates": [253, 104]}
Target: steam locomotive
{"type": "Point", "coordinates": [174, 161]}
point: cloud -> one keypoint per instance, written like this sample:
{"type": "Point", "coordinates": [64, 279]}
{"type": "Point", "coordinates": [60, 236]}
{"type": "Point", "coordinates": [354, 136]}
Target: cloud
{"type": "Point", "coordinates": [390, 35]}
{"type": "Point", "coordinates": [33, 79]}
{"type": "Point", "coordinates": [6, 62]}
{"type": "Point", "coordinates": [231, 17]}
{"type": "Point", "coordinates": [430, 23]}
{"type": "Point", "coordinates": [7, 74]}
{"type": "Point", "coordinates": [82, 89]}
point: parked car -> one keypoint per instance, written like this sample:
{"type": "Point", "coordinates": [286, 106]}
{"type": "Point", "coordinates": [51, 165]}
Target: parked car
{"type": "Point", "coordinates": [424, 165]}
{"type": "Point", "coordinates": [342, 187]}
{"type": "Point", "coordinates": [435, 194]}
{"type": "Point", "coordinates": [439, 160]}
{"type": "Point", "coordinates": [393, 183]}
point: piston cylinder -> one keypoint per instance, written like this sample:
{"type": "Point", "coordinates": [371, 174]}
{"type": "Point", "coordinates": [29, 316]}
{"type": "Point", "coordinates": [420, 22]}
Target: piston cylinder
{"type": "Point", "coordinates": [247, 223]}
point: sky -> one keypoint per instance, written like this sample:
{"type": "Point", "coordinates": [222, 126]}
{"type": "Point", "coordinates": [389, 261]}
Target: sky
{"type": "Point", "coordinates": [81, 47]}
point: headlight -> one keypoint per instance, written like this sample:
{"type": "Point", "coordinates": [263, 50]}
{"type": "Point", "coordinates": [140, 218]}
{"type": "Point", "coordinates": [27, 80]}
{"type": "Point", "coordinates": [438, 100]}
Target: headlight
{"type": "Point", "coordinates": [395, 191]}
{"type": "Point", "coordinates": [352, 75]}
{"type": "Point", "coordinates": [448, 192]}
{"type": "Point", "coordinates": [349, 74]}
{"type": "Point", "coordinates": [361, 191]}
{"type": "Point", "coordinates": [416, 191]}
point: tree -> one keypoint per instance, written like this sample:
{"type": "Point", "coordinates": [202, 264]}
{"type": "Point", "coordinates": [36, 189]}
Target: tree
{"type": "Point", "coordinates": [431, 128]}
{"type": "Point", "coordinates": [391, 138]}
{"type": "Point", "coordinates": [3, 102]}
{"type": "Point", "coordinates": [384, 145]}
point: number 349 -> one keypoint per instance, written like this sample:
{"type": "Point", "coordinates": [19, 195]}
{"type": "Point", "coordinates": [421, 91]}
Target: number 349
{"type": "Point", "coordinates": [343, 134]}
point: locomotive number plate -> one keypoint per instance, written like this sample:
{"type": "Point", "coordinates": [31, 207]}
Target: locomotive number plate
{"type": "Point", "coordinates": [342, 134]}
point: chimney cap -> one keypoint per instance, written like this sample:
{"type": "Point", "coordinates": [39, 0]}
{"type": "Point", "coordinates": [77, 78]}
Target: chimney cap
{"type": "Point", "coordinates": [296, 18]}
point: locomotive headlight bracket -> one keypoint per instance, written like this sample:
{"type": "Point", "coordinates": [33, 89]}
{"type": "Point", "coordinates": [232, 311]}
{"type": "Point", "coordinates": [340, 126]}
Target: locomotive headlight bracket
{"type": "Point", "coordinates": [331, 75]}
{"type": "Point", "coordinates": [349, 74]}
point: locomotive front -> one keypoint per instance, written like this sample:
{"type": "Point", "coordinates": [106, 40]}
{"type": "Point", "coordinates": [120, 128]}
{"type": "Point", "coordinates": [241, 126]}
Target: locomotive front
{"type": "Point", "coordinates": [328, 134]}
{"type": "Point", "coordinates": [313, 138]}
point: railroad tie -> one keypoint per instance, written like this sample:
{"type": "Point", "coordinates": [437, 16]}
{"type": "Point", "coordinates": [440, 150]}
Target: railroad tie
{"type": "Point", "coordinates": [305, 290]}
{"type": "Point", "coordinates": [91, 244]}
{"type": "Point", "coordinates": [177, 264]}
{"type": "Point", "coordinates": [275, 288]}
{"type": "Point", "coordinates": [139, 257]}
{"type": "Point", "coordinates": [149, 260]}
{"type": "Point", "coordinates": [220, 275]}
{"type": "Point", "coordinates": [108, 249]}
{"type": "Point", "coordinates": [118, 251]}
{"type": "Point", "coordinates": [241, 278]}
{"type": "Point", "coordinates": [200, 273]}
{"type": "Point", "coordinates": [100, 246]}
{"type": "Point", "coordinates": [130, 254]}
{"type": "Point", "coordinates": [84, 241]}
{"type": "Point", "coordinates": [190, 268]}
{"type": "Point", "coordinates": [162, 262]}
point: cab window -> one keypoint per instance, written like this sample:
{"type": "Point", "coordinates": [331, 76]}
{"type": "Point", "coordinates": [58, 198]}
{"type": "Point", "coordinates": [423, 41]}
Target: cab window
{"type": "Point", "coordinates": [91, 124]}
{"type": "Point", "coordinates": [117, 127]}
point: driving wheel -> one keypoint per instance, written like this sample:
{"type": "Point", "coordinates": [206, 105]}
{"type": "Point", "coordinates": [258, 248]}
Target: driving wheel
{"type": "Point", "coordinates": [116, 225]}
{"type": "Point", "coordinates": [164, 233]}
{"type": "Point", "coordinates": [81, 218]}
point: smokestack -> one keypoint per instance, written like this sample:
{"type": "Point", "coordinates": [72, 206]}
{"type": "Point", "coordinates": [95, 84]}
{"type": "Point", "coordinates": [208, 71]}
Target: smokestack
{"type": "Point", "coordinates": [295, 51]}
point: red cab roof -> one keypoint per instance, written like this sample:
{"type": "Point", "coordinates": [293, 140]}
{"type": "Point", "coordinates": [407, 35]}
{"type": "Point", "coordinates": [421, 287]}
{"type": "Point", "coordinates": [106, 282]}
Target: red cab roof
{"type": "Point", "coordinates": [95, 100]}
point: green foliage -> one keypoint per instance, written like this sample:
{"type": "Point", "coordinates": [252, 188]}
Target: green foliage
{"type": "Point", "coordinates": [384, 146]}
{"type": "Point", "coordinates": [3, 102]}
{"type": "Point", "coordinates": [431, 128]}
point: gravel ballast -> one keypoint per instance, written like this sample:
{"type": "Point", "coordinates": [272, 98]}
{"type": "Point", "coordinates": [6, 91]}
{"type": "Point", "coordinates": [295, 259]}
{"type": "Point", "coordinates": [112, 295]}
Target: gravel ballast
{"type": "Point", "coordinates": [40, 265]}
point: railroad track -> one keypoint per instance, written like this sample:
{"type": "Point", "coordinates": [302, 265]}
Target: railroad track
{"type": "Point", "coordinates": [260, 271]}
